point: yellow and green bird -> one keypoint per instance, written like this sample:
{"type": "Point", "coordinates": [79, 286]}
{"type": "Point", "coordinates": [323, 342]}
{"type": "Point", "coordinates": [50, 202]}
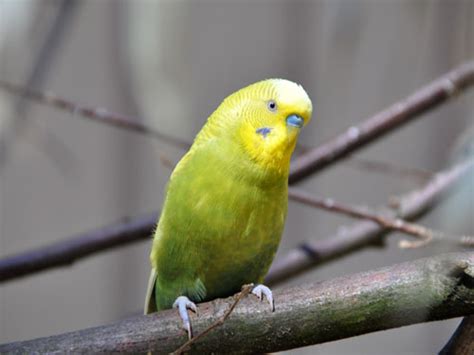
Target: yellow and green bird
{"type": "Point", "coordinates": [226, 200]}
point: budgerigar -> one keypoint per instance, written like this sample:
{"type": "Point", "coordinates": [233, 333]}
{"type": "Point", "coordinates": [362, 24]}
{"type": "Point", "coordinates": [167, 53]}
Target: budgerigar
{"type": "Point", "coordinates": [226, 200]}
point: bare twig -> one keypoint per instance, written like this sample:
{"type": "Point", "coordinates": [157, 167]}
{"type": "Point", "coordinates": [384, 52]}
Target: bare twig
{"type": "Point", "coordinates": [462, 341]}
{"type": "Point", "coordinates": [65, 252]}
{"type": "Point", "coordinates": [396, 224]}
{"type": "Point", "coordinates": [410, 207]}
{"type": "Point", "coordinates": [66, 10]}
{"type": "Point", "coordinates": [336, 149]}
{"type": "Point", "coordinates": [424, 290]}
{"type": "Point", "coordinates": [40, 68]}
{"type": "Point", "coordinates": [246, 289]}
{"type": "Point", "coordinates": [428, 97]}
{"type": "Point", "coordinates": [423, 100]}
{"type": "Point", "coordinates": [96, 114]}
{"type": "Point", "coordinates": [371, 165]}
{"type": "Point", "coordinates": [378, 166]}
{"type": "Point", "coordinates": [166, 162]}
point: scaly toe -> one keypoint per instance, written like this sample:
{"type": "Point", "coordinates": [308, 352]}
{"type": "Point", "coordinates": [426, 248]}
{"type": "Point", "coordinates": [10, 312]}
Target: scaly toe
{"type": "Point", "coordinates": [183, 304]}
{"type": "Point", "coordinates": [262, 290]}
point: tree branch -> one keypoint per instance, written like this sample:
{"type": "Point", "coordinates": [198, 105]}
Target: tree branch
{"type": "Point", "coordinates": [425, 235]}
{"type": "Point", "coordinates": [419, 291]}
{"type": "Point", "coordinates": [410, 207]}
{"type": "Point", "coordinates": [65, 252]}
{"type": "Point", "coordinates": [101, 115]}
{"type": "Point", "coordinates": [423, 100]}
{"type": "Point", "coordinates": [334, 150]}
{"type": "Point", "coordinates": [363, 164]}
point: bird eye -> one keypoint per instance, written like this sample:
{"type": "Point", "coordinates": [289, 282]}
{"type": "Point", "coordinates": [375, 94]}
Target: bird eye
{"type": "Point", "coordinates": [272, 106]}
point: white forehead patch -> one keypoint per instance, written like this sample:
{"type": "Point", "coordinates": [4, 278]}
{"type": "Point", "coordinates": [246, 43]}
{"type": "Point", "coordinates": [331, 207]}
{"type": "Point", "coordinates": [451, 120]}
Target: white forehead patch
{"type": "Point", "coordinates": [291, 93]}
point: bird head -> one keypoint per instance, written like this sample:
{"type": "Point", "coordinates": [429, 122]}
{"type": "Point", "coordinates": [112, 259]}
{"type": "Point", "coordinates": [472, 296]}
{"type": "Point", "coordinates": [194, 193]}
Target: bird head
{"type": "Point", "coordinates": [263, 120]}
{"type": "Point", "coordinates": [271, 114]}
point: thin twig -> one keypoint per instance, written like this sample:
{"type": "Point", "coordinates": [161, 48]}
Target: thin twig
{"type": "Point", "coordinates": [39, 70]}
{"type": "Point", "coordinates": [47, 52]}
{"type": "Point", "coordinates": [166, 162]}
{"type": "Point", "coordinates": [330, 205]}
{"type": "Point", "coordinates": [423, 100]}
{"type": "Point", "coordinates": [389, 168]}
{"type": "Point", "coordinates": [65, 252]}
{"type": "Point", "coordinates": [328, 153]}
{"type": "Point", "coordinates": [397, 224]}
{"type": "Point", "coordinates": [246, 289]}
{"type": "Point", "coordinates": [386, 121]}
{"type": "Point", "coordinates": [377, 166]}
{"type": "Point", "coordinates": [411, 206]}
{"type": "Point", "coordinates": [419, 291]}
{"type": "Point", "coordinates": [96, 114]}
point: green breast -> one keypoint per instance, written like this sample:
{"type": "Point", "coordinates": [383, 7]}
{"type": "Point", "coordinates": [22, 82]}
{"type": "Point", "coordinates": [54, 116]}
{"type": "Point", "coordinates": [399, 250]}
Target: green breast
{"type": "Point", "coordinates": [221, 225]}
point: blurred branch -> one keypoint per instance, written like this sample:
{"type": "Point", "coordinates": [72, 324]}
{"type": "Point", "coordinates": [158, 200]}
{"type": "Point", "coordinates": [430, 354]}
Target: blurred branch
{"type": "Point", "coordinates": [66, 10]}
{"type": "Point", "coordinates": [140, 228]}
{"type": "Point", "coordinates": [426, 98]}
{"type": "Point", "coordinates": [377, 166]}
{"type": "Point", "coordinates": [93, 113]}
{"type": "Point", "coordinates": [51, 43]}
{"type": "Point", "coordinates": [395, 224]}
{"type": "Point", "coordinates": [462, 341]}
{"type": "Point", "coordinates": [370, 165]}
{"type": "Point", "coordinates": [423, 100]}
{"type": "Point", "coordinates": [65, 252]}
{"type": "Point", "coordinates": [424, 290]}
{"type": "Point", "coordinates": [410, 207]}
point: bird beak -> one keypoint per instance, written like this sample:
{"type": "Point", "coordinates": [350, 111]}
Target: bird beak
{"type": "Point", "coordinates": [294, 121]}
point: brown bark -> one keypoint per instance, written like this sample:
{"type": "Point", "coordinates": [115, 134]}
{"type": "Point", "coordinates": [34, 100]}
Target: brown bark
{"type": "Point", "coordinates": [424, 290]}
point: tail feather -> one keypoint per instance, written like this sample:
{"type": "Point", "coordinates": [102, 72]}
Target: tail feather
{"type": "Point", "coordinates": [150, 300]}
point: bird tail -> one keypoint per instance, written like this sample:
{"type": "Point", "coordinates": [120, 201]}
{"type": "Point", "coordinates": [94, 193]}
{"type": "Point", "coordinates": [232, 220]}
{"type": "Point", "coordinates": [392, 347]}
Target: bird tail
{"type": "Point", "coordinates": [150, 300]}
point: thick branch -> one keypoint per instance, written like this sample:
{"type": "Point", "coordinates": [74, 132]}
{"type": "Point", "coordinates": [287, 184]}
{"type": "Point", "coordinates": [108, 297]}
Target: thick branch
{"type": "Point", "coordinates": [418, 291]}
{"type": "Point", "coordinates": [65, 252]}
{"type": "Point", "coordinates": [423, 100]}
{"type": "Point", "coordinates": [411, 206]}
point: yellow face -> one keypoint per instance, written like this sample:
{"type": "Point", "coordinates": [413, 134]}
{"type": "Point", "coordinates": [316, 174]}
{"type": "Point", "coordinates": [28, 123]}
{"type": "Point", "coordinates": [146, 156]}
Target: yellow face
{"type": "Point", "coordinates": [271, 115]}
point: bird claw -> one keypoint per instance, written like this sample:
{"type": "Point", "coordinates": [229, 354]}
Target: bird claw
{"type": "Point", "coordinates": [262, 290]}
{"type": "Point", "coordinates": [183, 304]}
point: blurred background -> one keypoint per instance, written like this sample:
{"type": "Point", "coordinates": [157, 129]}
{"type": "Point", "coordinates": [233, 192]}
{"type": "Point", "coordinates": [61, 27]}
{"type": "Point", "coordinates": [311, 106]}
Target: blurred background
{"type": "Point", "coordinates": [171, 63]}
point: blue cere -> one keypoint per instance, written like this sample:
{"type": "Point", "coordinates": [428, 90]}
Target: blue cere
{"type": "Point", "coordinates": [295, 121]}
{"type": "Point", "coordinates": [264, 131]}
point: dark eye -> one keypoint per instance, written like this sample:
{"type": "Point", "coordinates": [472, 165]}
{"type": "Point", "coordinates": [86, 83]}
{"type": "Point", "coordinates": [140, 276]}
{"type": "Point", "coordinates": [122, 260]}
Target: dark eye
{"type": "Point", "coordinates": [272, 106]}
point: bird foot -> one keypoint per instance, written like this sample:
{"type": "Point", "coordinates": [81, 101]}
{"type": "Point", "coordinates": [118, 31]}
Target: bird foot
{"type": "Point", "coordinates": [183, 304]}
{"type": "Point", "coordinates": [262, 290]}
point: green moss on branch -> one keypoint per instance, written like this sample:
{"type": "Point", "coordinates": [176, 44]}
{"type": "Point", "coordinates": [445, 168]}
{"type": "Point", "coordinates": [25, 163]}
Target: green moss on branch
{"type": "Point", "coordinates": [428, 289]}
